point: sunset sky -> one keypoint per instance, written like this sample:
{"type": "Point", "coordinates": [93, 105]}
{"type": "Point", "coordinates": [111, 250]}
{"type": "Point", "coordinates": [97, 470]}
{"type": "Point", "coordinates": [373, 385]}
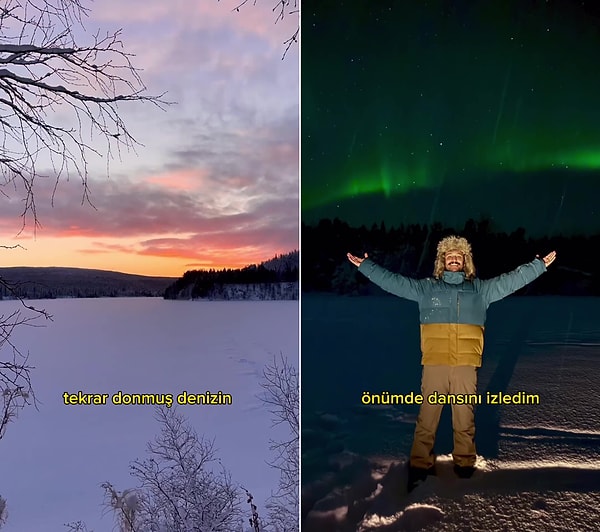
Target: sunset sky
{"type": "Point", "coordinates": [215, 183]}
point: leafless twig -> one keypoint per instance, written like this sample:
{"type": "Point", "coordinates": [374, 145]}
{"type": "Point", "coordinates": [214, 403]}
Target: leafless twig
{"type": "Point", "coordinates": [57, 96]}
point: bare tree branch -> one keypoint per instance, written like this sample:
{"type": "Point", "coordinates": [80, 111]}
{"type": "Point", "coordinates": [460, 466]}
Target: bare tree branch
{"type": "Point", "coordinates": [15, 372]}
{"type": "Point", "coordinates": [254, 519]}
{"type": "Point", "coordinates": [16, 390]}
{"type": "Point", "coordinates": [77, 526]}
{"type": "Point", "coordinates": [281, 8]}
{"type": "Point", "coordinates": [282, 396]}
{"type": "Point", "coordinates": [58, 97]}
{"type": "Point", "coordinates": [3, 512]}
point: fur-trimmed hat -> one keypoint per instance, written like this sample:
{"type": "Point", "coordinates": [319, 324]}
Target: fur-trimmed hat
{"type": "Point", "coordinates": [454, 243]}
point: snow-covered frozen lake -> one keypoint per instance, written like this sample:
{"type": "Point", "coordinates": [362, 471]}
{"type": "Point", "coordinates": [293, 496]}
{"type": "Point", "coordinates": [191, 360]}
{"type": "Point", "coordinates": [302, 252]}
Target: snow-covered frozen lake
{"type": "Point", "coordinates": [540, 463]}
{"type": "Point", "coordinates": [54, 460]}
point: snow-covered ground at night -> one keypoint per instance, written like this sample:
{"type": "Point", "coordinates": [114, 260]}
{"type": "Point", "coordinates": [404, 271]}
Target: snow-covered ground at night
{"type": "Point", "coordinates": [538, 464]}
{"type": "Point", "coordinates": [55, 458]}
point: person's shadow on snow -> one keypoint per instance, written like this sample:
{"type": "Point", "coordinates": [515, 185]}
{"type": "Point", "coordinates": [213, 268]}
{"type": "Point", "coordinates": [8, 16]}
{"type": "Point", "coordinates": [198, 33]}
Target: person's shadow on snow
{"type": "Point", "coordinates": [487, 416]}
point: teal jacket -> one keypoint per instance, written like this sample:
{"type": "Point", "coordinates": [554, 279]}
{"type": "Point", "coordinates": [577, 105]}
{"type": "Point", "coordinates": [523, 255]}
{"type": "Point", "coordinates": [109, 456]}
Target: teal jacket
{"type": "Point", "coordinates": [452, 310]}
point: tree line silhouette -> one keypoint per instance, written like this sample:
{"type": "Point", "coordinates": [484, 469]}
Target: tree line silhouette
{"type": "Point", "coordinates": [410, 250]}
{"type": "Point", "coordinates": [203, 283]}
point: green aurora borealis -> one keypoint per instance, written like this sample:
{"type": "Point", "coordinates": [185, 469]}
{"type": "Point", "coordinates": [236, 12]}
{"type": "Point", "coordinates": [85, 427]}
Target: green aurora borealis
{"type": "Point", "coordinates": [414, 110]}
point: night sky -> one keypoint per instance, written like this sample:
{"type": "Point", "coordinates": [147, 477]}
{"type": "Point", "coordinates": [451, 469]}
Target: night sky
{"type": "Point", "coordinates": [414, 112]}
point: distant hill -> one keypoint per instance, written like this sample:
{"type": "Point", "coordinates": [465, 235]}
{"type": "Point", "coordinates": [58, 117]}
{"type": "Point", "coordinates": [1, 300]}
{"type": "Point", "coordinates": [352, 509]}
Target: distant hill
{"type": "Point", "coordinates": [58, 282]}
{"type": "Point", "coordinates": [276, 278]}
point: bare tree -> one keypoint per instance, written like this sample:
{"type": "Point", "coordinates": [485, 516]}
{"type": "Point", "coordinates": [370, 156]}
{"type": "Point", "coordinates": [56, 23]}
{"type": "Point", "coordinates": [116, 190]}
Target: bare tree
{"type": "Point", "coordinates": [281, 9]}
{"type": "Point", "coordinates": [3, 512]}
{"type": "Point", "coordinates": [59, 98]}
{"type": "Point", "coordinates": [15, 372]}
{"type": "Point", "coordinates": [183, 485]}
{"type": "Point", "coordinates": [282, 396]}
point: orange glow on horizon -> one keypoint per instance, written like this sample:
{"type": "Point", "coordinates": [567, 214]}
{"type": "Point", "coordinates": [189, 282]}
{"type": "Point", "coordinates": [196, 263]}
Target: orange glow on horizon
{"type": "Point", "coordinates": [123, 255]}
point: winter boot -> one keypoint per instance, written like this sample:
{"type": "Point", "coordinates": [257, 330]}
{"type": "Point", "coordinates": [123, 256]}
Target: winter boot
{"type": "Point", "coordinates": [417, 475]}
{"type": "Point", "coordinates": [464, 471]}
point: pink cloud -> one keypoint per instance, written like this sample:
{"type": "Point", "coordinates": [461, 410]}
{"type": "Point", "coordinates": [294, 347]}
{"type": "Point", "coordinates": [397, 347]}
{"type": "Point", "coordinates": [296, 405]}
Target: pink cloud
{"type": "Point", "coordinates": [103, 247]}
{"type": "Point", "coordinates": [138, 211]}
{"type": "Point", "coordinates": [188, 179]}
{"type": "Point", "coordinates": [252, 236]}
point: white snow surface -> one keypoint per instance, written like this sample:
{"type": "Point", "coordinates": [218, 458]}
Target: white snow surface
{"type": "Point", "coordinates": [55, 458]}
{"type": "Point", "coordinates": [538, 465]}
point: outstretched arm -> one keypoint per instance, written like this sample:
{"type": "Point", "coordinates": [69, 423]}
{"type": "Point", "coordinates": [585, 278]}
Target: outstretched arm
{"type": "Point", "coordinates": [499, 287]}
{"type": "Point", "coordinates": [390, 282]}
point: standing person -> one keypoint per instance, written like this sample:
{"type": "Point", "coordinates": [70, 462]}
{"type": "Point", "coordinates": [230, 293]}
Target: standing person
{"type": "Point", "coordinates": [452, 308]}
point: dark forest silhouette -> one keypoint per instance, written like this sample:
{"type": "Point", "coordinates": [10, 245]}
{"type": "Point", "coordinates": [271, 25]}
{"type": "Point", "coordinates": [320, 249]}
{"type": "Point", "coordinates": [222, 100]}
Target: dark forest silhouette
{"type": "Point", "coordinates": [410, 250]}
{"type": "Point", "coordinates": [209, 283]}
